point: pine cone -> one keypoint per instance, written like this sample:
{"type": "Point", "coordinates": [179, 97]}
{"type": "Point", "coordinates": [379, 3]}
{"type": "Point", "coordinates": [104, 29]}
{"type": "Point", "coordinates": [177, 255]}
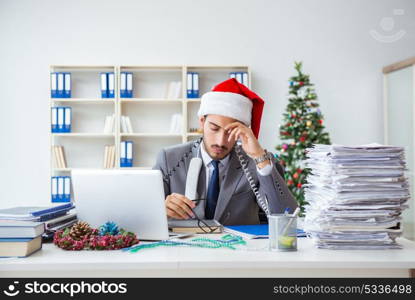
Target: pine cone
{"type": "Point", "coordinates": [79, 230]}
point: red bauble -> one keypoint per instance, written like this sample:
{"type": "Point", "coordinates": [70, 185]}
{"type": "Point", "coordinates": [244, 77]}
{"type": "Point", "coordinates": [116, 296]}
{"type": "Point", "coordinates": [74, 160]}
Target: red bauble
{"type": "Point", "coordinates": [295, 175]}
{"type": "Point", "coordinates": [320, 121]}
{"type": "Point", "coordinates": [302, 138]}
{"type": "Point", "coordinates": [299, 171]}
{"type": "Point", "coordinates": [301, 83]}
{"type": "Point", "coordinates": [299, 185]}
{"type": "Point", "coordinates": [290, 182]}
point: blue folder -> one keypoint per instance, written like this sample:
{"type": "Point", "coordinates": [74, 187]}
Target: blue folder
{"type": "Point", "coordinates": [257, 231]}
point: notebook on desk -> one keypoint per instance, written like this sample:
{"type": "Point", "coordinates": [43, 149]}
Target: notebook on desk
{"type": "Point", "coordinates": [254, 231]}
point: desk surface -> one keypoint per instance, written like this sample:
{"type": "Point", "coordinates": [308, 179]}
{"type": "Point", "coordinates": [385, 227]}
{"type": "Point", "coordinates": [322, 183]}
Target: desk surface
{"type": "Point", "coordinates": [254, 260]}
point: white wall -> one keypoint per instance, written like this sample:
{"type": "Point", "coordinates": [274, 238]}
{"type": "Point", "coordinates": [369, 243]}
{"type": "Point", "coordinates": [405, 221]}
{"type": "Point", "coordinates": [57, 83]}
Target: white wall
{"type": "Point", "coordinates": [331, 38]}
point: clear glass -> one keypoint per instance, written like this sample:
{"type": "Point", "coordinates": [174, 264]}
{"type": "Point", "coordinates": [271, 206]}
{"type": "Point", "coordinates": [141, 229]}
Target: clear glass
{"type": "Point", "coordinates": [282, 232]}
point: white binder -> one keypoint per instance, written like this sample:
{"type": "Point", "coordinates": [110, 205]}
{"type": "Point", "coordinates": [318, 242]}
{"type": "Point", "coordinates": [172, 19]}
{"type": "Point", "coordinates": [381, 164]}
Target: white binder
{"type": "Point", "coordinates": [60, 84]}
{"type": "Point", "coordinates": [67, 188]}
{"type": "Point", "coordinates": [245, 79]}
{"type": "Point", "coordinates": [61, 111]}
{"type": "Point", "coordinates": [60, 188]}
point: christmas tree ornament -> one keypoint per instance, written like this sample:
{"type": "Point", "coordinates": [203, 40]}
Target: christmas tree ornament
{"type": "Point", "coordinates": [109, 228]}
{"type": "Point", "coordinates": [309, 123]}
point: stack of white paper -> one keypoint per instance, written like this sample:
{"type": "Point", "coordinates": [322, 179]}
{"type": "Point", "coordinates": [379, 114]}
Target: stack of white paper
{"type": "Point", "coordinates": [355, 196]}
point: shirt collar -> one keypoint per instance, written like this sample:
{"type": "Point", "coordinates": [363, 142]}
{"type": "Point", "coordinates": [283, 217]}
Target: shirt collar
{"type": "Point", "coordinates": [207, 159]}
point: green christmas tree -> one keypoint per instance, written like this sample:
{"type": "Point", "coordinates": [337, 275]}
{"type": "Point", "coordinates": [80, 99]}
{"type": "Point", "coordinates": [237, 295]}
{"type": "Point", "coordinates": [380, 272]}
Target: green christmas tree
{"type": "Point", "coordinates": [302, 127]}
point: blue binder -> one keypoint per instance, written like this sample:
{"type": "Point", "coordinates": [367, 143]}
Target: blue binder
{"type": "Point", "coordinates": [123, 153]}
{"type": "Point", "coordinates": [54, 119]}
{"type": "Point", "coordinates": [192, 85]}
{"type": "Point", "coordinates": [104, 84]}
{"type": "Point", "coordinates": [129, 85]}
{"type": "Point", "coordinates": [129, 158]}
{"type": "Point", "coordinates": [195, 86]}
{"type": "Point", "coordinates": [126, 156]}
{"type": "Point", "coordinates": [54, 188]}
{"type": "Point", "coordinates": [53, 84]}
{"type": "Point", "coordinates": [67, 126]}
{"type": "Point", "coordinates": [111, 84]}
{"type": "Point", "coordinates": [189, 85]}
{"type": "Point", "coordinates": [60, 189]}
{"type": "Point", "coordinates": [67, 85]}
{"type": "Point", "coordinates": [61, 119]}
{"type": "Point", "coordinates": [67, 189]}
{"type": "Point", "coordinates": [245, 79]}
{"type": "Point", "coordinates": [61, 83]}
{"type": "Point", "coordinates": [123, 85]}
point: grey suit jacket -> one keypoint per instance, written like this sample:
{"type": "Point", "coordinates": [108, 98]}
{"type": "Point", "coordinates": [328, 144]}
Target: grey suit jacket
{"type": "Point", "coordinates": [236, 203]}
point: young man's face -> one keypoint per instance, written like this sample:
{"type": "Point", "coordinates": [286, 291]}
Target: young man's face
{"type": "Point", "coordinates": [214, 136]}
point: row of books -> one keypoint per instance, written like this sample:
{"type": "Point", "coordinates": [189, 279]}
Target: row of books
{"type": "Point", "coordinates": [109, 157]}
{"type": "Point", "coordinates": [173, 90]}
{"type": "Point", "coordinates": [109, 126]}
{"type": "Point", "coordinates": [60, 84]}
{"type": "Point", "coordinates": [61, 189]}
{"type": "Point", "coordinates": [61, 119]}
{"type": "Point", "coordinates": [59, 158]}
{"type": "Point", "coordinates": [126, 126]}
{"type": "Point", "coordinates": [126, 154]}
{"type": "Point", "coordinates": [23, 229]}
{"type": "Point", "coordinates": [107, 84]}
{"type": "Point", "coordinates": [176, 124]}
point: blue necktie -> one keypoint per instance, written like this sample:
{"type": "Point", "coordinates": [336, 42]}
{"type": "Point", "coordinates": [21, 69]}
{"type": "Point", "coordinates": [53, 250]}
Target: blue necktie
{"type": "Point", "coordinates": [213, 191]}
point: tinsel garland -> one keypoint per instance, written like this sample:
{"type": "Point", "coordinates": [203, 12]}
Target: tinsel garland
{"type": "Point", "coordinates": [98, 239]}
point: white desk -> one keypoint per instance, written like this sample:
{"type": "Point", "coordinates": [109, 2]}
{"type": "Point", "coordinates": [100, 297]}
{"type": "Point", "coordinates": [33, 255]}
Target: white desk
{"type": "Point", "coordinates": [308, 261]}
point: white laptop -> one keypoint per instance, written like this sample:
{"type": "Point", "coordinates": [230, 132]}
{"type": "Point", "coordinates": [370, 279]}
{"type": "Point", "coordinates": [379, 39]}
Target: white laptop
{"type": "Point", "coordinates": [134, 199]}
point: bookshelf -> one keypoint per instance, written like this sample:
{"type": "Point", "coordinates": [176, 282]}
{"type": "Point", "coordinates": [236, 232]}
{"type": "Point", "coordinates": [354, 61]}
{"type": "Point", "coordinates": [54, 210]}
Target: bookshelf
{"type": "Point", "coordinates": [149, 110]}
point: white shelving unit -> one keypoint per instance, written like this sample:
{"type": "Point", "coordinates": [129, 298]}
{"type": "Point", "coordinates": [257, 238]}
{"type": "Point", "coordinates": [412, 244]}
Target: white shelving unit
{"type": "Point", "coordinates": [149, 111]}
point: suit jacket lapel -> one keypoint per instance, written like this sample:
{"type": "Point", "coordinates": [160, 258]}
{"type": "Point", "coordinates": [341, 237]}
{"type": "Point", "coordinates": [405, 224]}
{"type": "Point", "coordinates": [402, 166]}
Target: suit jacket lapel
{"type": "Point", "coordinates": [228, 186]}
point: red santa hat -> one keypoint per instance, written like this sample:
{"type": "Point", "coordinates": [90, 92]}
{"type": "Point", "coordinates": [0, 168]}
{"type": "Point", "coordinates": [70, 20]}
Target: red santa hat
{"type": "Point", "coordinates": [233, 99]}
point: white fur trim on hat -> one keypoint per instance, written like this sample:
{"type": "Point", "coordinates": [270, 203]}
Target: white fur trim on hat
{"type": "Point", "coordinates": [226, 104]}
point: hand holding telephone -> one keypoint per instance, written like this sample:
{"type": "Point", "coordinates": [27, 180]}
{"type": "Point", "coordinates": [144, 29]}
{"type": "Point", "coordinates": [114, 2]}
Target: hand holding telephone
{"type": "Point", "coordinates": [183, 202]}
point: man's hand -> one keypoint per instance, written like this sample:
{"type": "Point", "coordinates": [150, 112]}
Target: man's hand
{"type": "Point", "coordinates": [250, 144]}
{"type": "Point", "coordinates": [179, 207]}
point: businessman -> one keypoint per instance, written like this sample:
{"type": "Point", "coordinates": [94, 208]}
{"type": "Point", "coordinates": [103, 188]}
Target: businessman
{"type": "Point", "coordinates": [228, 113]}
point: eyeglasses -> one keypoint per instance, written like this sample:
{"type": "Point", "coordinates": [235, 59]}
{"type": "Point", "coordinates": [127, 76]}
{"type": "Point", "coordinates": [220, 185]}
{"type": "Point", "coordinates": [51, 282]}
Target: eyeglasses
{"type": "Point", "coordinates": [201, 222]}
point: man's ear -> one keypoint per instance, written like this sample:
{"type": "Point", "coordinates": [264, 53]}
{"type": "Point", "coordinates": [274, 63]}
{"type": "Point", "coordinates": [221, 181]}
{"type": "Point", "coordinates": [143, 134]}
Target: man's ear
{"type": "Point", "coordinates": [202, 120]}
